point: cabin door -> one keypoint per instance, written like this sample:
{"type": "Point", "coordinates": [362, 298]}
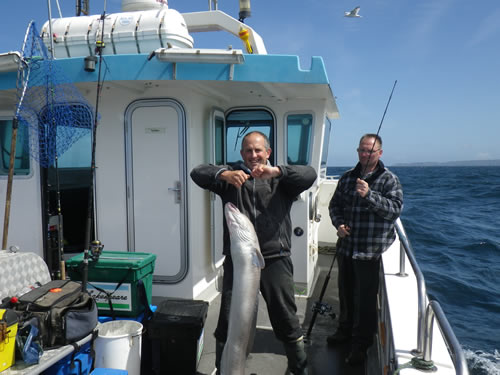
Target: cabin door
{"type": "Point", "coordinates": [156, 181]}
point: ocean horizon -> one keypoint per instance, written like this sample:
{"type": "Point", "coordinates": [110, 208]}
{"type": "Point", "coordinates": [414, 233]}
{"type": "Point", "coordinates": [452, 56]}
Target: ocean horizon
{"type": "Point", "coordinates": [461, 163]}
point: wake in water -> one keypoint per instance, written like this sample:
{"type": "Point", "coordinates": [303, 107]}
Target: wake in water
{"type": "Point", "coordinates": [481, 363]}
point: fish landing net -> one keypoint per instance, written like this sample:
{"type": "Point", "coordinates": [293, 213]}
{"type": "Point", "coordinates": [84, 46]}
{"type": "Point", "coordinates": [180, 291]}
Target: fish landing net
{"type": "Point", "coordinates": [49, 106]}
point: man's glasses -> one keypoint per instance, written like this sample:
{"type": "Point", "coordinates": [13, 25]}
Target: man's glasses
{"type": "Point", "coordinates": [364, 151]}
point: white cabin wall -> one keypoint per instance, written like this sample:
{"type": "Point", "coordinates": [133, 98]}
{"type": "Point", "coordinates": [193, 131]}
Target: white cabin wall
{"type": "Point", "coordinates": [110, 172]}
{"type": "Point", "coordinates": [25, 221]}
{"type": "Point", "coordinates": [203, 275]}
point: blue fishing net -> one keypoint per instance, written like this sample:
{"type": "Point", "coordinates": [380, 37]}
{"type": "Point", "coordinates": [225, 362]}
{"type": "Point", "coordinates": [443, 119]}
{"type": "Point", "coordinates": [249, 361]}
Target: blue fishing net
{"type": "Point", "coordinates": [49, 105]}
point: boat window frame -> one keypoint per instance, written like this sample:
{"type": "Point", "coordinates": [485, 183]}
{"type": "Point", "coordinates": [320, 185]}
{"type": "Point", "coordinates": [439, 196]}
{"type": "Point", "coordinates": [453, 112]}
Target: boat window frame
{"type": "Point", "coordinates": [8, 120]}
{"type": "Point", "coordinates": [83, 142]}
{"type": "Point", "coordinates": [273, 159]}
{"type": "Point", "coordinates": [327, 133]}
{"type": "Point", "coordinates": [311, 136]}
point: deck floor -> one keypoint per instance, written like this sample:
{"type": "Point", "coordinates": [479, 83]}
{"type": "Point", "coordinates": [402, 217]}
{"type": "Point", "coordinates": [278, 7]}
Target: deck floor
{"type": "Point", "coordinates": [268, 357]}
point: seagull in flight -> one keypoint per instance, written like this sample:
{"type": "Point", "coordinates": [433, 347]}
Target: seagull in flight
{"type": "Point", "coordinates": [353, 13]}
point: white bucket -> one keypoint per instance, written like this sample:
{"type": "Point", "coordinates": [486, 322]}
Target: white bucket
{"type": "Point", "coordinates": [118, 346]}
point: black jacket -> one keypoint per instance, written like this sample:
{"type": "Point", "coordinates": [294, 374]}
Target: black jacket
{"type": "Point", "coordinates": [267, 202]}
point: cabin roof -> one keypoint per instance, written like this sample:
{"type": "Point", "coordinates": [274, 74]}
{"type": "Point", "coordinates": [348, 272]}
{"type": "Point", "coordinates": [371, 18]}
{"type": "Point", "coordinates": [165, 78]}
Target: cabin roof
{"type": "Point", "coordinates": [279, 75]}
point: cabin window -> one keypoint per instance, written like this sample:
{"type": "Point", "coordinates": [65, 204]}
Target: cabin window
{"type": "Point", "coordinates": [326, 143]}
{"type": "Point", "coordinates": [78, 155]}
{"type": "Point", "coordinates": [22, 157]}
{"type": "Point", "coordinates": [241, 122]}
{"type": "Point", "coordinates": [69, 185]}
{"type": "Point", "coordinates": [219, 140]}
{"type": "Point", "coordinates": [299, 138]}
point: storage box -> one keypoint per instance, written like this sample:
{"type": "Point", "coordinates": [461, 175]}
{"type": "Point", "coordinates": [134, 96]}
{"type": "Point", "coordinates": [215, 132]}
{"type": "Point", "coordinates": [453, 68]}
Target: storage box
{"type": "Point", "coordinates": [177, 334]}
{"type": "Point", "coordinates": [8, 331]}
{"type": "Point", "coordinates": [79, 363]}
{"type": "Point", "coordinates": [118, 273]}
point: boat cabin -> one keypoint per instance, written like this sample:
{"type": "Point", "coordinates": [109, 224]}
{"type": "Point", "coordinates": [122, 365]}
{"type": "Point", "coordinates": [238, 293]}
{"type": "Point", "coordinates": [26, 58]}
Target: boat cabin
{"type": "Point", "coordinates": [161, 106]}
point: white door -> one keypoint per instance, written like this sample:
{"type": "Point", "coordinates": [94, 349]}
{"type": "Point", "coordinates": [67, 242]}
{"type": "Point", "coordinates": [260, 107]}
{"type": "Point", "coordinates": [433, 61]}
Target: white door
{"type": "Point", "coordinates": [155, 139]}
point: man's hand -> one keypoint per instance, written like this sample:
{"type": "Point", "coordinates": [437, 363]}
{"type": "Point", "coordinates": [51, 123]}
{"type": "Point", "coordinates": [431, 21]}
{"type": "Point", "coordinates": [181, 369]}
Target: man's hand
{"type": "Point", "coordinates": [265, 171]}
{"type": "Point", "coordinates": [343, 231]}
{"type": "Point", "coordinates": [362, 187]}
{"type": "Point", "coordinates": [236, 178]}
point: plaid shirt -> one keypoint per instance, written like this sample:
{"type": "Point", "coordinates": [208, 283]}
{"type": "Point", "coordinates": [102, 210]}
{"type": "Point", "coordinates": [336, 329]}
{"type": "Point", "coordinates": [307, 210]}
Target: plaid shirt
{"type": "Point", "coordinates": [371, 218]}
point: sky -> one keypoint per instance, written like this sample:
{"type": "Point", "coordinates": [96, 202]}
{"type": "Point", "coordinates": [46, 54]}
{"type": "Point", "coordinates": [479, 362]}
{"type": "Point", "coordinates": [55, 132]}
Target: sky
{"type": "Point", "coordinates": [444, 54]}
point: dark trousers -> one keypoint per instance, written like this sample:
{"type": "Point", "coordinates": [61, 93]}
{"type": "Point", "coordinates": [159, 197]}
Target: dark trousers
{"type": "Point", "coordinates": [277, 288]}
{"type": "Point", "coordinates": [358, 282]}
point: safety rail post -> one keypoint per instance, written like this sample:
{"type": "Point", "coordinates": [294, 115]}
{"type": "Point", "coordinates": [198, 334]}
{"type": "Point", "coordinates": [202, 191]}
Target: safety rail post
{"type": "Point", "coordinates": [434, 310]}
{"type": "Point", "coordinates": [422, 292]}
{"type": "Point", "coordinates": [402, 263]}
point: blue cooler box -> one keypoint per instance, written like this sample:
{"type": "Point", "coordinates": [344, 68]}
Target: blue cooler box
{"type": "Point", "coordinates": [76, 363]}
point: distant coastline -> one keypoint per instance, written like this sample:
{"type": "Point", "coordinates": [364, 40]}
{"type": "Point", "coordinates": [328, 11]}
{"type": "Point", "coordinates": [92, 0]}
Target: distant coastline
{"type": "Point", "coordinates": [463, 163]}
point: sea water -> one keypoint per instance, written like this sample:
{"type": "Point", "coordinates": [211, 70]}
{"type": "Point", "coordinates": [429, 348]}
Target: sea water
{"type": "Point", "coordinates": [452, 219]}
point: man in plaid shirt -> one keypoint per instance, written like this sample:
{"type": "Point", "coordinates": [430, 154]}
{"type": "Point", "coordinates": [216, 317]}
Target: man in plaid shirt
{"type": "Point", "coordinates": [364, 207]}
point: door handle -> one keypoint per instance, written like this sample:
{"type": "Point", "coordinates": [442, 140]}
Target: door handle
{"type": "Point", "coordinates": [177, 191]}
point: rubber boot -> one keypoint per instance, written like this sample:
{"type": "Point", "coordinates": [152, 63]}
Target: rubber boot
{"type": "Point", "coordinates": [219, 347]}
{"type": "Point", "coordinates": [297, 357]}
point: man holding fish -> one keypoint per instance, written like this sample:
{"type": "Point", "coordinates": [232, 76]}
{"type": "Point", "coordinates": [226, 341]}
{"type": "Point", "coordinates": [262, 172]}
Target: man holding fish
{"type": "Point", "coordinates": [265, 194]}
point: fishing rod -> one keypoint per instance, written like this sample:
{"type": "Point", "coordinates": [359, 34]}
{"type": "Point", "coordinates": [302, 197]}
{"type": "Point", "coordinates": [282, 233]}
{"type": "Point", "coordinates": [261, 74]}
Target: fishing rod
{"type": "Point", "coordinates": [380, 126]}
{"type": "Point", "coordinates": [319, 307]}
{"type": "Point", "coordinates": [91, 208]}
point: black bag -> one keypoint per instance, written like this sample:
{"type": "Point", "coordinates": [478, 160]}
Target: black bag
{"type": "Point", "coordinates": [65, 314]}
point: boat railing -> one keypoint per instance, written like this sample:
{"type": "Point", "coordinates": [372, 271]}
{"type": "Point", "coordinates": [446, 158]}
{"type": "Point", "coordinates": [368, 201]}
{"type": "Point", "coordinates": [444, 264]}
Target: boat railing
{"type": "Point", "coordinates": [427, 312]}
{"type": "Point", "coordinates": [457, 355]}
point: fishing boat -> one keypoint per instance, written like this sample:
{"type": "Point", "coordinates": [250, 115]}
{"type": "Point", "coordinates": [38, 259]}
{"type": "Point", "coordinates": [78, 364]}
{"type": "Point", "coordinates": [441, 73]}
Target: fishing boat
{"type": "Point", "coordinates": [160, 106]}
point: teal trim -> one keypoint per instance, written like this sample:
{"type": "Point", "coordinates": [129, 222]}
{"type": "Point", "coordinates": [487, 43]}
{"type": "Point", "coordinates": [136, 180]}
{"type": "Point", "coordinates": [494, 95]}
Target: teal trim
{"type": "Point", "coordinates": [256, 68]}
{"type": "Point", "coordinates": [8, 80]}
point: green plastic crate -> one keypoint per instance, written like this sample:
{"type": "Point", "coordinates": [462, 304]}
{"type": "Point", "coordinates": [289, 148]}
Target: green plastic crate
{"type": "Point", "coordinates": [112, 268]}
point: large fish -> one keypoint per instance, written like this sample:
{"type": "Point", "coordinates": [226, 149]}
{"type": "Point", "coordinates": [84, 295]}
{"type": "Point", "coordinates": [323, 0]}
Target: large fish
{"type": "Point", "coordinates": [247, 264]}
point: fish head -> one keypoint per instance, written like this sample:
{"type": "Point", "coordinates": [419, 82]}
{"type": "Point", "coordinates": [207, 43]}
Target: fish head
{"type": "Point", "coordinates": [239, 225]}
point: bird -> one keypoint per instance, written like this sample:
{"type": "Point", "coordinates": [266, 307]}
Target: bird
{"type": "Point", "coordinates": [353, 13]}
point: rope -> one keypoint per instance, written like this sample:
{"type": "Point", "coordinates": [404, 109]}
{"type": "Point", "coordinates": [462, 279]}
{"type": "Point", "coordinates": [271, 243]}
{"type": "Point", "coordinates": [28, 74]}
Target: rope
{"type": "Point", "coordinates": [418, 364]}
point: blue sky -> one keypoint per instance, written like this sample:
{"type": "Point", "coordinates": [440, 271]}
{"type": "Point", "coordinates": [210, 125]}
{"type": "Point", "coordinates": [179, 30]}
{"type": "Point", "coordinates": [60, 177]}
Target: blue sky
{"type": "Point", "coordinates": [444, 54]}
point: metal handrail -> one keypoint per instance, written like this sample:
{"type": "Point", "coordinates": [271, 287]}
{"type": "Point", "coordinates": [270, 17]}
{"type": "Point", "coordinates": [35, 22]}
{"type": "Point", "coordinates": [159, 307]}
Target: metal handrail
{"type": "Point", "coordinates": [457, 355]}
{"type": "Point", "coordinates": [422, 292]}
{"type": "Point", "coordinates": [426, 318]}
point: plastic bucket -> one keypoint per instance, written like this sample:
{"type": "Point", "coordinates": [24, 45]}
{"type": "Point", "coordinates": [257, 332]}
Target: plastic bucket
{"type": "Point", "coordinates": [118, 346]}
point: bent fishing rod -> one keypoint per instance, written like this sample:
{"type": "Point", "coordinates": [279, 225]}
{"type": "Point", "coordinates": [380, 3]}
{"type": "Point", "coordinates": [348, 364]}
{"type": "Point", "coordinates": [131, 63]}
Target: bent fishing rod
{"type": "Point", "coordinates": [319, 307]}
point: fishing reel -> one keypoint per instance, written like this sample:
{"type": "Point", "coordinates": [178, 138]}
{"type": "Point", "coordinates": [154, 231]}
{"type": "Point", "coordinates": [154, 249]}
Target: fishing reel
{"type": "Point", "coordinates": [95, 250]}
{"type": "Point", "coordinates": [323, 308]}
